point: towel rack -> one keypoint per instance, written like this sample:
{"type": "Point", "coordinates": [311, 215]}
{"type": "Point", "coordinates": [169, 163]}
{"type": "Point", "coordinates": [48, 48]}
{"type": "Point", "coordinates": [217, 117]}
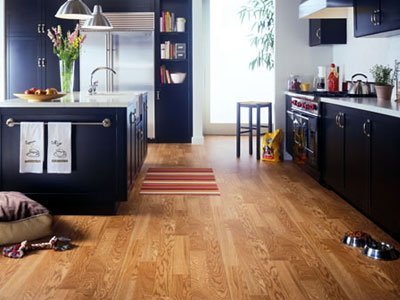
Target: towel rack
{"type": "Point", "coordinates": [106, 123]}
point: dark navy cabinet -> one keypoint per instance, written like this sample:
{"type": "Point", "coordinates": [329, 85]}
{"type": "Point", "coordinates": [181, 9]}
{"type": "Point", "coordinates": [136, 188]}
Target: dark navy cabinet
{"type": "Point", "coordinates": [105, 160]}
{"type": "Point", "coordinates": [327, 32]}
{"type": "Point", "coordinates": [376, 16]}
{"type": "Point", "coordinates": [30, 61]}
{"type": "Point", "coordinates": [361, 162]}
{"type": "Point", "coordinates": [173, 103]}
{"type": "Point", "coordinates": [122, 5]}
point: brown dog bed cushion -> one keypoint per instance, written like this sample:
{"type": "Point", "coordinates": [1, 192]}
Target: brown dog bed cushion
{"type": "Point", "coordinates": [22, 218]}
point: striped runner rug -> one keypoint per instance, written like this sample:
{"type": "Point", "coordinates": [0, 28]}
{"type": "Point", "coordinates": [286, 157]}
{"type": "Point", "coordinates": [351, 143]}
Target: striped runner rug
{"type": "Point", "coordinates": [179, 181]}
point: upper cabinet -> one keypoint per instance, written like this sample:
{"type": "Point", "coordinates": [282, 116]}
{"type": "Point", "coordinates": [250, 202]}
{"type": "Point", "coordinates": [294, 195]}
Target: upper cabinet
{"type": "Point", "coordinates": [123, 5]}
{"type": "Point", "coordinates": [327, 32]}
{"type": "Point", "coordinates": [376, 16]}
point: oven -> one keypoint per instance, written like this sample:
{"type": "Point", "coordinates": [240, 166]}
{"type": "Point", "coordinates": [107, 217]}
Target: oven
{"type": "Point", "coordinates": [302, 124]}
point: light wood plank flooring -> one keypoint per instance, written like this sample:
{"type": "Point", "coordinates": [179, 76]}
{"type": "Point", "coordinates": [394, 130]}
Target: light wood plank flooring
{"type": "Point", "coordinates": [273, 234]}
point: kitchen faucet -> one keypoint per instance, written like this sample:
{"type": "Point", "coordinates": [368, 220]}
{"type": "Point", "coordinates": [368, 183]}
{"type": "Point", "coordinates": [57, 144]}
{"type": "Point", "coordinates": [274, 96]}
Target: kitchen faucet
{"type": "Point", "coordinates": [93, 85]}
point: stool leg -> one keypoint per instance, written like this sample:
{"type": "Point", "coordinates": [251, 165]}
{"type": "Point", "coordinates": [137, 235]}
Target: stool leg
{"type": "Point", "coordinates": [270, 118]}
{"type": "Point", "coordinates": [250, 131]}
{"type": "Point", "coordinates": [238, 130]}
{"type": "Point", "coordinates": [258, 132]}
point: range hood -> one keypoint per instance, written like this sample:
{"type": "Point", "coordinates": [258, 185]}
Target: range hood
{"type": "Point", "coordinates": [324, 9]}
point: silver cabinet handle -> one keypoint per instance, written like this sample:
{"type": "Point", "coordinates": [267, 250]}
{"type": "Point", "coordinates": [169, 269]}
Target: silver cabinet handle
{"type": "Point", "coordinates": [38, 28]}
{"type": "Point", "coordinates": [158, 95]}
{"type": "Point", "coordinates": [39, 62]}
{"type": "Point", "coordinates": [337, 120]}
{"type": "Point", "coordinates": [318, 33]}
{"type": "Point", "coordinates": [341, 117]}
{"type": "Point", "coordinates": [372, 18]}
{"type": "Point", "coordinates": [43, 62]}
{"type": "Point", "coordinates": [43, 28]}
{"type": "Point", "coordinates": [365, 128]}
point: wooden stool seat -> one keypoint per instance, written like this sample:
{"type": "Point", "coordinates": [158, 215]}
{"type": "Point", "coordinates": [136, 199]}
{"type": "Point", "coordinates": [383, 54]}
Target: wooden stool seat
{"type": "Point", "coordinates": [249, 129]}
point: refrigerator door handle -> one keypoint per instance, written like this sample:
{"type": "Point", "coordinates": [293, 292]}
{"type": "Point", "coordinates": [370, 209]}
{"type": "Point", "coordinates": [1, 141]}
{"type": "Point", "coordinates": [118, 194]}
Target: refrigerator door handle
{"type": "Point", "coordinates": [107, 44]}
{"type": "Point", "coordinates": [112, 50]}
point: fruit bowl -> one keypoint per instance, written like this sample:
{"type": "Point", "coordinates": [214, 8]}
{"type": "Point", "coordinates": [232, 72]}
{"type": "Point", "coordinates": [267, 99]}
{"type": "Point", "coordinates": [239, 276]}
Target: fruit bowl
{"type": "Point", "coordinates": [38, 98]}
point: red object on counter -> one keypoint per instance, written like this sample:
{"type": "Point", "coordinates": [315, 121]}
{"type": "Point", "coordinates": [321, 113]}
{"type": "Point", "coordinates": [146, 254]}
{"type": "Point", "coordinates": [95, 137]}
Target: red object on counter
{"type": "Point", "coordinates": [333, 80]}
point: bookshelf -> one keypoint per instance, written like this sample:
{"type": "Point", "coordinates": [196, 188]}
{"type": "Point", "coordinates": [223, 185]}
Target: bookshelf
{"type": "Point", "coordinates": [173, 54]}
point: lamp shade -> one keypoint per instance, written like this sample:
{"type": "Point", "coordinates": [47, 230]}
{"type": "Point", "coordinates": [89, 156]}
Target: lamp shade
{"type": "Point", "coordinates": [75, 10]}
{"type": "Point", "coordinates": [98, 21]}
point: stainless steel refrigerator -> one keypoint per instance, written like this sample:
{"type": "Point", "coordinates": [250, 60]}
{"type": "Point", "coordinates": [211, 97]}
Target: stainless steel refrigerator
{"type": "Point", "coordinates": [128, 49]}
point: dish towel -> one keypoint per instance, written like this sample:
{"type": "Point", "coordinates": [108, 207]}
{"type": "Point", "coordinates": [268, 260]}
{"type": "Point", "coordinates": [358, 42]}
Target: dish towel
{"type": "Point", "coordinates": [31, 146]}
{"type": "Point", "coordinates": [59, 148]}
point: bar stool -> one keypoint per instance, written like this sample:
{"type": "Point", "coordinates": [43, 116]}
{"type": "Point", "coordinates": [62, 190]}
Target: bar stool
{"type": "Point", "coordinates": [250, 105]}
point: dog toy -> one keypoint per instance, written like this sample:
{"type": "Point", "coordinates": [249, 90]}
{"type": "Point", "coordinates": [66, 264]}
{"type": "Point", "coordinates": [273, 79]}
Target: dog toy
{"type": "Point", "coordinates": [55, 243]}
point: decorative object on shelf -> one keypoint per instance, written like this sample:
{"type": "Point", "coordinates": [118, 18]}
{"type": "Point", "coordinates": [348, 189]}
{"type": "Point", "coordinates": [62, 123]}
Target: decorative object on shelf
{"type": "Point", "coordinates": [180, 24]}
{"type": "Point", "coordinates": [178, 77]}
{"type": "Point", "coordinates": [261, 14]}
{"type": "Point", "coordinates": [98, 21]}
{"type": "Point", "coordinates": [67, 50]}
{"type": "Point", "coordinates": [383, 81]}
{"type": "Point", "coordinates": [75, 10]}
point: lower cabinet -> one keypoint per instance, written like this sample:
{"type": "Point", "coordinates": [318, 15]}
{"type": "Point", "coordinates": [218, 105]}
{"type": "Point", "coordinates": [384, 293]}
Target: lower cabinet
{"type": "Point", "coordinates": [361, 162]}
{"type": "Point", "coordinates": [102, 157]}
{"type": "Point", "coordinates": [385, 173]}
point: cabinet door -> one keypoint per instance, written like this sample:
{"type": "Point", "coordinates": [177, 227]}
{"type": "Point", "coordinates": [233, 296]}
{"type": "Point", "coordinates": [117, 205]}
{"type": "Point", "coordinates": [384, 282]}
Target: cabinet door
{"type": "Point", "coordinates": [356, 158]}
{"type": "Point", "coordinates": [23, 70]}
{"type": "Point", "coordinates": [122, 5]}
{"type": "Point", "coordinates": [385, 175]}
{"type": "Point", "coordinates": [173, 114]}
{"type": "Point", "coordinates": [315, 32]}
{"type": "Point", "coordinates": [24, 18]}
{"type": "Point", "coordinates": [332, 148]}
{"type": "Point", "coordinates": [390, 15]}
{"type": "Point", "coordinates": [363, 17]}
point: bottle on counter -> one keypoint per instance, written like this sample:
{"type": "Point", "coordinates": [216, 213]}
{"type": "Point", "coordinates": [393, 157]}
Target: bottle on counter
{"type": "Point", "coordinates": [294, 83]}
{"type": "Point", "coordinates": [333, 79]}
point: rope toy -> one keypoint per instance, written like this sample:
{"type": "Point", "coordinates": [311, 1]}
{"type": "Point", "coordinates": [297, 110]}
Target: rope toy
{"type": "Point", "coordinates": [55, 243]}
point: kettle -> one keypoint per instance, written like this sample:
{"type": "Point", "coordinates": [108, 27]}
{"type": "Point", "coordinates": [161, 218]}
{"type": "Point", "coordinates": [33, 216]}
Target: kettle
{"type": "Point", "coordinates": [359, 87]}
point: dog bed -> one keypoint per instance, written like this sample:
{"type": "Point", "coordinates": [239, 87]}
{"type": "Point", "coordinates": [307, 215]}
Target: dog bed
{"type": "Point", "coordinates": [22, 218]}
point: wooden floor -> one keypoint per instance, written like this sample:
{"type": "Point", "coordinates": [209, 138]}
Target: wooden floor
{"type": "Point", "coordinates": [273, 234]}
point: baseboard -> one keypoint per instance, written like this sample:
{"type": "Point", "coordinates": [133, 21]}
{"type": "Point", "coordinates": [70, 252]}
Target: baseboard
{"type": "Point", "coordinates": [198, 140]}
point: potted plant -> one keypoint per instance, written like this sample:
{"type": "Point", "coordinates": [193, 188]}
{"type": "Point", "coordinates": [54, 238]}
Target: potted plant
{"type": "Point", "coordinates": [383, 81]}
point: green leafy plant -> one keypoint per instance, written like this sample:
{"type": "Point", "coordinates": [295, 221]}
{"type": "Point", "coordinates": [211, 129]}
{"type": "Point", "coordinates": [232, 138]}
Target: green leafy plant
{"type": "Point", "coordinates": [381, 75]}
{"type": "Point", "coordinates": [260, 13]}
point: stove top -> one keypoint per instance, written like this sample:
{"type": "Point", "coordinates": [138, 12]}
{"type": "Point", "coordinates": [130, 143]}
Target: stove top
{"type": "Point", "coordinates": [331, 94]}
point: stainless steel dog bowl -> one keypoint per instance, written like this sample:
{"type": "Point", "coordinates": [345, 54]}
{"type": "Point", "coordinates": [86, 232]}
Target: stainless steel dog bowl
{"type": "Point", "coordinates": [356, 238]}
{"type": "Point", "coordinates": [378, 250]}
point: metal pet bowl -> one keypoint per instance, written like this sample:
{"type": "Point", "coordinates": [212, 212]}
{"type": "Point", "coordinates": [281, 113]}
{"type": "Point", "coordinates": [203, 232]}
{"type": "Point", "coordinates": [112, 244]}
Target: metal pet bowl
{"type": "Point", "coordinates": [378, 250]}
{"type": "Point", "coordinates": [356, 238]}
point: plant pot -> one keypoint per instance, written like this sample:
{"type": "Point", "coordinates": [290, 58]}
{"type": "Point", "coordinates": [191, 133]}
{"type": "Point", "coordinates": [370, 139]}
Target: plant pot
{"type": "Point", "coordinates": [384, 92]}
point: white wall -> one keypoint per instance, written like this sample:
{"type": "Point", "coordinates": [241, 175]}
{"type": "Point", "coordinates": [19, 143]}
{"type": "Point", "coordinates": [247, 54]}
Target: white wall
{"type": "Point", "coordinates": [293, 55]}
{"type": "Point", "coordinates": [2, 52]}
{"type": "Point", "coordinates": [360, 54]}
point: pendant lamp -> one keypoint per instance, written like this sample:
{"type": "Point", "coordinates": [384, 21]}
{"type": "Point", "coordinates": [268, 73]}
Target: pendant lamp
{"type": "Point", "coordinates": [75, 10]}
{"type": "Point", "coordinates": [98, 20]}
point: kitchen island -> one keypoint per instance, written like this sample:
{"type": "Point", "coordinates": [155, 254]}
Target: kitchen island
{"type": "Point", "coordinates": [108, 147]}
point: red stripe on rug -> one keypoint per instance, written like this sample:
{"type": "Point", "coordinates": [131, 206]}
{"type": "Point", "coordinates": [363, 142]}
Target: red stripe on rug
{"type": "Point", "coordinates": [200, 170]}
{"type": "Point", "coordinates": [185, 184]}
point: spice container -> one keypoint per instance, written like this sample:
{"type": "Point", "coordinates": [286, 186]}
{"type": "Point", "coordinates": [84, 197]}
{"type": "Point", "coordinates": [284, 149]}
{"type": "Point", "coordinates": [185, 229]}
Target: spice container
{"type": "Point", "coordinates": [294, 83]}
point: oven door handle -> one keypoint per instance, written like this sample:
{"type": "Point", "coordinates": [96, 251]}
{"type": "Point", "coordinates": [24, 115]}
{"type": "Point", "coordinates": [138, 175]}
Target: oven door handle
{"type": "Point", "coordinates": [289, 112]}
{"type": "Point", "coordinates": [302, 117]}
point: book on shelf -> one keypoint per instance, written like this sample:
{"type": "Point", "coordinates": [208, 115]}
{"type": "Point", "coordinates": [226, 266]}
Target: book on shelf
{"type": "Point", "coordinates": [167, 21]}
{"type": "Point", "coordinates": [165, 75]}
{"type": "Point", "coordinates": [173, 51]}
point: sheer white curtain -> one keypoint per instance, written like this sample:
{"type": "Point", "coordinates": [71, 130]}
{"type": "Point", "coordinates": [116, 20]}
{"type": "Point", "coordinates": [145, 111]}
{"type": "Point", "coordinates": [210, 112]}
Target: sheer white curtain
{"type": "Point", "coordinates": [229, 76]}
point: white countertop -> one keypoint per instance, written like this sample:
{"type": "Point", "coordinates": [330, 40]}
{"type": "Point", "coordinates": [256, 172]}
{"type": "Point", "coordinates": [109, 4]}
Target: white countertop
{"type": "Point", "coordinates": [81, 99]}
{"type": "Point", "coordinates": [389, 108]}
